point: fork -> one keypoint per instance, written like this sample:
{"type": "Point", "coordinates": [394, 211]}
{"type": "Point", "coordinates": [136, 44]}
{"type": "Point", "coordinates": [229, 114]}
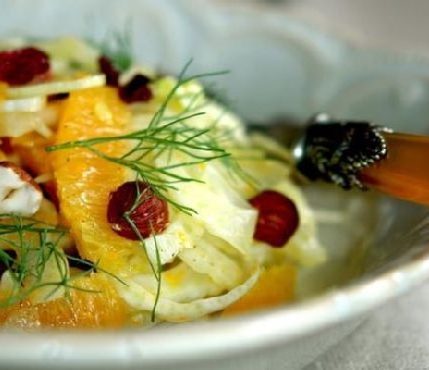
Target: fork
{"type": "Point", "coordinates": [357, 154]}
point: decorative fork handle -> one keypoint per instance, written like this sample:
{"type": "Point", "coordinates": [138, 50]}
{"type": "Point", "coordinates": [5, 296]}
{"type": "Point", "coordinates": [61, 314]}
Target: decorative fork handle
{"type": "Point", "coordinates": [359, 154]}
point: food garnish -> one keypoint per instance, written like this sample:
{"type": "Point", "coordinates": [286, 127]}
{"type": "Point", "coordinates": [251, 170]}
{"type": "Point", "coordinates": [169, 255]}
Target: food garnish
{"type": "Point", "coordinates": [164, 210]}
{"type": "Point", "coordinates": [108, 69]}
{"type": "Point", "coordinates": [278, 218]}
{"type": "Point", "coordinates": [136, 90]}
{"type": "Point", "coordinates": [137, 202]}
{"type": "Point", "coordinates": [22, 66]}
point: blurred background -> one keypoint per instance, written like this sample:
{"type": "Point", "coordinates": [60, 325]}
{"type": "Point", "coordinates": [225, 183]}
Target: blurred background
{"type": "Point", "coordinates": [364, 59]}
{"type": "Point", "coordinates": [391, 24]}
{"type": "Point", "coordinates": [360, 59]}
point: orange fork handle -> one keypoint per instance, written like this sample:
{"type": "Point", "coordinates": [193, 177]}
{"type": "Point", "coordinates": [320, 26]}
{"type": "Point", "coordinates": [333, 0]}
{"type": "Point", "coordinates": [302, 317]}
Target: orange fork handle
{"type": "Point", "coordinates": [404, 173]}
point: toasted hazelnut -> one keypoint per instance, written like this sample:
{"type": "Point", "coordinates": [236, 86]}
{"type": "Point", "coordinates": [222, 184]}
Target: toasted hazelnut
{"type": "Point", "coordinates": [19, 193]}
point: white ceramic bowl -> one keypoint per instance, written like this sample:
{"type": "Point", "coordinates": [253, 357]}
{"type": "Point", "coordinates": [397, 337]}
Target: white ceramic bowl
{"type": "Point", "coordinates": [279, 65]}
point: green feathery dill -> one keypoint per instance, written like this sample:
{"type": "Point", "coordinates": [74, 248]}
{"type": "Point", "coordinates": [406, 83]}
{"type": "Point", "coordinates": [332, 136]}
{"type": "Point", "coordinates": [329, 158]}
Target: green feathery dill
{"type": "Point", "coordinates": [34, 244]}
{"type": "Point", "coordinates": [156, 269]}
{"type": "Point", "coordinates": [164, 135]}
{"type": "Point", "coordinates": [117, 46]}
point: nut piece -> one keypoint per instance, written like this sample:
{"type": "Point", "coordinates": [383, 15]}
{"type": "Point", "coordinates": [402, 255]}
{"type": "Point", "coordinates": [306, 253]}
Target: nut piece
{"type": "Point", "coordinates": [19, 194]}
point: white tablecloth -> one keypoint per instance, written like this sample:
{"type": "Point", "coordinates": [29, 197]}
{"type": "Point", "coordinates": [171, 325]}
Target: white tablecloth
{"type": "Point", "coordinates": [394, 337]}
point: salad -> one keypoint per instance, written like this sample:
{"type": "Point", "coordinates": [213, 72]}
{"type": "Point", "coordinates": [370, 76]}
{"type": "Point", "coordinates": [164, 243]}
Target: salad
{"type": "Point", "coordinates": [129, 197]}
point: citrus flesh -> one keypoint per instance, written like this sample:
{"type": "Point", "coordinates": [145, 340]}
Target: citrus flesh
{"type": "Point", "coordinates": [274, 288]}
{"type": "Point", "coordinates": [85, 180]}
{"type": "Point", "coordinates": [93, 303]}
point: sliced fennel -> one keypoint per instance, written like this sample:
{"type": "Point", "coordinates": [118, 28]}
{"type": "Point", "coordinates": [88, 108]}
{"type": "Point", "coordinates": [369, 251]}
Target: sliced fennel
{"type": "Point", "coordinates": [33, 104]}
{"type": "Point", "coordinates": [139, 297]}
{"type": "Point", "coordinates": [169, 243]}
{"type": "Point", "coordinates": [70, 52]}
{"type": "Point", "coordinates": [181, 284]}
{"type": "Point", "coordinates": [56, 87]}
{"type": "Point", "coordinates": [15, 124]}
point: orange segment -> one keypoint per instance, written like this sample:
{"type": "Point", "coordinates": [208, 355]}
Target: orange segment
{"type": "Point", "coordinates": [85, 180]}
{"type": "Point", "coordinates": [31, 151]}
{"type": "Point", "coordinates": [102, 308]}
{"type": "Point", "coordinates": [274, 287]}
{"type": "Point", "coordinates": [3, 89]}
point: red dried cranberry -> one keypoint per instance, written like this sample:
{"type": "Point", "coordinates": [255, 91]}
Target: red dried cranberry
{"type": "Point", "coordinates": [57, 97]}
{"type": "Point", "coordinates": [6, 145]}
{"type": "Point", "coordinates": [149, 217]}
{"type": "Point", "coordinates": [278, 218]}
{"type": "Point", "coordinates": [19, 67]}
{"type": "Point", "coordinates": [137, 90]}
{"type": "Point", "coordinates": [107, 68]}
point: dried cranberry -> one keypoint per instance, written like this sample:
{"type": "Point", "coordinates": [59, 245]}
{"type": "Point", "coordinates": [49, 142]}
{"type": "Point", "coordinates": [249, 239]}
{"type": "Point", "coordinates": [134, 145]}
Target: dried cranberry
{"type": "Point", "coordinates": [107, 68]}
{"type": "Point", "coordinates": [59, 96]}
{"type": "Point", "coordinates": [278, 218]}
{"type": "Point", "coordinates": [136, 90]}
{"type": "Point", "coordinates": [150, 216]}
{"type": "Point", "coordinates": [19, 67]}
{"type": "Point", "coordinates": [6, 145]}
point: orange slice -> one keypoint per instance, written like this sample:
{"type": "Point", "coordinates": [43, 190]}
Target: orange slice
{"type": "Point", "coordinates": [274, 287]}
{"type": "Point", "coordinates": [31, 151]}
{"type": "Point", "coordinates": [85, 181]}
{"type": "Point", "coordinates": [3, 89]}
{"type": "Point", "coordinates": [101, 308]}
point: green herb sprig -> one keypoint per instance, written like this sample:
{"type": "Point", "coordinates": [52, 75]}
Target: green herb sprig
{"type": "Point", "coordinates": [117, 46]}
{"type": "Point", "coordinates": [164, 135]}
{"type": "Point", "coordinates": [34, 243]}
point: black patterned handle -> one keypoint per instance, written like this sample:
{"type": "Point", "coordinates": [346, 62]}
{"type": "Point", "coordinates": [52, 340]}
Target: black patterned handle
{"type": "Point", "coordinates": [337, 151]}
